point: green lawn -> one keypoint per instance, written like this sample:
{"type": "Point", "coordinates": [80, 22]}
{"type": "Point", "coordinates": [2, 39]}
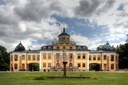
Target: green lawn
{"type": "Point", "coordinates": [97, 78]}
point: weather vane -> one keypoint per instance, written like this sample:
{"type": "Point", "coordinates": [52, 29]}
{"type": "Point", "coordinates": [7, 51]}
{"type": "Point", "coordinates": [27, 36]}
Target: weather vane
{"type": "Point", "coordinates": [127, 38]}
{"type": "Point", "coordinates": [63, 25]}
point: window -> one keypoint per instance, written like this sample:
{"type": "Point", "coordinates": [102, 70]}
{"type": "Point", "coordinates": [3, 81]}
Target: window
{"type": "Point", "coordinates": [58, 47]}
{"type": "Point", "coordinates": [15, 66]}
{"type": "Point", "coordinates": [90, 57]}
{"type": "Point", "coordinates": [83, 56]}
{"type": "Point", "coordinates": [49, 47]}
{"type": "Point", "coordinates": [57, 55]}
{"type": "Point", "coordinates": [112, 66]}
{"type": "Point", "coordinates": [33, 57]}
{"type": "Point", "coordinates": [49, 55]}
{"type": "Point", "coordinates": [23, 57]}
{"type": "Point", "coordinates": [49, 64]}
{"type": "Point", "coordinates": [64, 55]}
{"type": "Point", "coordinates": [83, 64]}
{"type": "Point", "coordinates": [70, 55]}
{"type": "Point", "coordinates": [94, 57]}
{"type": "Point", "coordinates": [98, 57]}
{"type": "Point", "coordinates": [29, 57]}
{"type": "Point", "coordinates": [38, 57]}
{"type": "Point", "coordinates": [112, 57]}
{"type": "Point", "coordinates": [79, 65]}
{"type": "Point", "coordinates": [64, 47]}
{"type": "Point", "coordinates": [70, 48]}
{"type": "Point", "coordinates": [44, 64]}
{"type": "Point", "coordinates": [63, 38]}
{"type": "Point", "coordinates": [79, 47]}
{"type": "Point", "coordinates": [78, 55]}
{"type": "Point", "coordinates": [44, 55]}
{"type": "Point", "coordinates": [105, 57]}
{"type": "Point", "coordinates": [16, 57]}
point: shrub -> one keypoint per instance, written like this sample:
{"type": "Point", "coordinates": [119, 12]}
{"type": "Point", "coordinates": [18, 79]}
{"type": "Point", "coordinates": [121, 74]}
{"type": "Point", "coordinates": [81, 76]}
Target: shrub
{"type": "Point", "coordinates": [42, 77]}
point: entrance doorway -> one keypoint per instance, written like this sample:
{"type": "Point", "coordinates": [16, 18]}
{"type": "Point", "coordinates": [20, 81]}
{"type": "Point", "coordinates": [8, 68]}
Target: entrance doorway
{"type": "Point", "coordinates": [94, 66]}
{"type": "Point", "coordinates": [33, 67]}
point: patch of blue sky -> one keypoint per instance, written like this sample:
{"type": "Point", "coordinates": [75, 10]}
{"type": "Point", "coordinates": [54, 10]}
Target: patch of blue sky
{"type": "Point", "coordinates": [120, 7]}
{"type": "Point", "coordinates": [83, 27]}
{"type": "Point", "coordinates": [118, 40]}
{"type": "Point", "coordinates": [2, 2]}
{"type": "Point", "coordinates": [39, 42]}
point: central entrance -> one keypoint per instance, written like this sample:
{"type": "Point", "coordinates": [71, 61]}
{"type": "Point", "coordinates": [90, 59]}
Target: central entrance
{"type": "Point", "coordinates": [33, 67]}
{"type": "Point", "coordinates": [94, 66]}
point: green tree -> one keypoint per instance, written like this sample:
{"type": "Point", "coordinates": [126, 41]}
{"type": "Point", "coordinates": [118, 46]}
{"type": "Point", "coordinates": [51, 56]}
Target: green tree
{"type": "Point", "coordinates": [122, 50]}
{"type": "Point", "coordinates": [4, 59]}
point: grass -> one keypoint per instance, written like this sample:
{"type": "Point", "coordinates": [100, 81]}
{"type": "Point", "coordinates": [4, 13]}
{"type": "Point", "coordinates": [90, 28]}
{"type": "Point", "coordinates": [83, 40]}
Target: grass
{"type": "Point", "coordinates": [97, 78]}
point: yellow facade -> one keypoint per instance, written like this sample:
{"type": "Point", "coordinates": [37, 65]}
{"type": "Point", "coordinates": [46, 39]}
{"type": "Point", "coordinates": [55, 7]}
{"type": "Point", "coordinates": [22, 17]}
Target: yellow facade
{"type": "Point", "coordinates": [51, 57]}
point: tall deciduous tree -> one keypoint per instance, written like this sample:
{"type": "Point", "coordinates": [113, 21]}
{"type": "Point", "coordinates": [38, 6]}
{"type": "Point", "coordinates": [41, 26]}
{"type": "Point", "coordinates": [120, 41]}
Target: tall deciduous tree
{"type": "Point", "coordinates": [122, 50]}
{"type": "Point", "coordinates": [4, 59]}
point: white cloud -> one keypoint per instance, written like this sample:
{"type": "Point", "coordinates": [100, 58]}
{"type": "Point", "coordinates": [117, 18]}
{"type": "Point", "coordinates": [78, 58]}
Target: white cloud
{"type": "Point", "coordinates": [92, 44]}
{"type": "Point", "coordinates": [27, 20]}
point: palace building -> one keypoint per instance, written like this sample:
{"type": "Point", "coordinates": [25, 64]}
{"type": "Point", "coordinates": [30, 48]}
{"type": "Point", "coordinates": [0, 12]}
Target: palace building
{"type": "Point", "coordinates": [50, 57]}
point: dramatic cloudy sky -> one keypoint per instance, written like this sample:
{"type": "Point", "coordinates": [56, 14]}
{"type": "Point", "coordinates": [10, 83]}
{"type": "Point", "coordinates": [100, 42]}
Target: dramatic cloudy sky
{"type": "Point", "coordinates": [38, 22]}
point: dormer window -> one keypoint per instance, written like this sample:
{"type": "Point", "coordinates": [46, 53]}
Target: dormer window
{"type": "Point", "coordinates": [70, 48]}
{"type": "Point", "coordinates": [44, 47]}
{"type": "Point", "coordinates": [49, 47]}
{"type": "Point", "coordinates": [58, 47]}
{"type": "Point", "coordinates": [79, 47]}
{"type": "Point", "coordinates": [64, 47]}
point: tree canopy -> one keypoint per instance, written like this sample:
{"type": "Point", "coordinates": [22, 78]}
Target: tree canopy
{"type": "Point", "coordinates": [4, 59]}
{"type": "Point", "coordinates": [122, 50]}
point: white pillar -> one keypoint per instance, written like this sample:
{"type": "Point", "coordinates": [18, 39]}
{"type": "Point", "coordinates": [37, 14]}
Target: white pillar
{"type": "Point", "coordinates": [88, 61]}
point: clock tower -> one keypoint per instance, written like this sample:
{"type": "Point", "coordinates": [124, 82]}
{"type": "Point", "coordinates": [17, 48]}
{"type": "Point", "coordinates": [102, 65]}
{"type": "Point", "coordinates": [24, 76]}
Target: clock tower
{"type": "Point", "coordinates": [64, 42]}
{"type": "Point", "coordinates": [64, 37]}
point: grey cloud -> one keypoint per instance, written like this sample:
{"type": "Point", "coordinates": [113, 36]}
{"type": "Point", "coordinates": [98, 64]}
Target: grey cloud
{"type": "Point", "coordinates": [86, 7]}
{"type": "Point", "coordinates": [35, 10]}
{"type": "Point", "coordinates": [105, 6]}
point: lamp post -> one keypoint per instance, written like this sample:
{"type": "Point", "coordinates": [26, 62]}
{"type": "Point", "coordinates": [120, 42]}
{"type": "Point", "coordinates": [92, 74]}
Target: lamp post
{"type": "Point", "coordinates": [64, 63]}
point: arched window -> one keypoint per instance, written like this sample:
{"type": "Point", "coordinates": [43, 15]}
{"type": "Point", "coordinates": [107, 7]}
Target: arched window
{"type": "Point", "coordinates": [83, 64]}
{"type": "Point", "coordinates": [112, 57]}
{"type": "Point", "coordinates": [64, 47]}
{"type": "Point", "coordinates": [15, 66]}
{"type": "Point", "coordinates": [70, 48]}
{"type": "Point", "coordinates": [16, 57]}
{"type": "Point", "coordinates": [112, 66]}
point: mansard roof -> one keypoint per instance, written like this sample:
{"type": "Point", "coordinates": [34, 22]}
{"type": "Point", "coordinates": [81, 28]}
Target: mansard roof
{"type": "Point", "coordinates": [106, 47]}
{"type": "Point", "coordinates": [20, 47]}
{"type": "Point", "coordinates": [47, 47]}
{"type": "Point", "coordinates": [81, 48]}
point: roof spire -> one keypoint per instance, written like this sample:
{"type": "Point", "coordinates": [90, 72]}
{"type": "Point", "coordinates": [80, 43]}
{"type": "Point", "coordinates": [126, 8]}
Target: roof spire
{"type": "Point", "coordinates": [107, 43]}
{"type": "Point", "coordinates": [63, 30]}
